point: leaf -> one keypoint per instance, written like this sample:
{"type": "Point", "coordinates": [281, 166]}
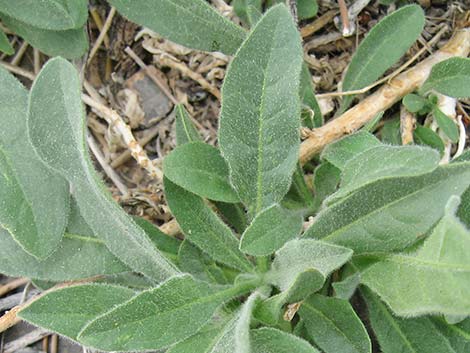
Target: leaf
{"type": "Point", "coordinates": [446, 124]}
{"type": "Point", "coordinates": [346, 288]}
{"type": "Point", "coordinates": [425, 136]}
{"type": "Point", "coordinates": [76, 257]}
{"type": "Point", "coordinates": [185, 130]}
{"type": "Point", "coordinates": [259, 123]}
{"type": "Point", "coordinates": [192, 23]}
{"type": "Point", "coordinates": [391, 133]}
{"type": "Point", "coordinates": [449, 77]}
{"type": "Point", "coordinates": [57, 130]}
{"type": "Point", "coordinates": [67, 310]}
{"type": "Point", "coordinates": [253, 14]}
{"type": "Point", "coordinates": [56, 15]}
{"type": "Point", "coordinates": [325, 182]}
{"type": "Point", "coordinates": [403, 335]}
{"type": "Point", "coordinates": [299, 258]}
{"type": "Point", "coordinates": [70, 44]}
{"type": "Point", "coordinates": [414, 103]}
{"type": "Point", "coordinates": [432, 280]}
{"type": "Point", "coordinates": [271, 340]}
{"type": "Point", "coordinates": [270, 230]}
{"type": "Point", "coordinates": [234, 215]}
{"type": "Point", "coordinates": [382, 162]}
{"type": "Point", "coordinates": [383, 46]}
{"type": "Point", "coordinates": [390, 214]}
{"type": "Point", "coordinates": [5, 45]}
{"type": "Point", "coordinates": [307, 9]}
{"type": "Point", "coordinates": [241, 9]}
{"type": "Point", "coordinates": [25, 182]}
{"type": "Point", "coordinates": [458, 335]}
{"type": "Point", "coordinates": [312, 117]}
{"type": "Point", "coordinates": [333, 325]}
{"type": "Point", "coordinates": [159, 317]}
{"type": "Point", "coordinates": [204, 228]}
{"type": "Point", "coordinates": [340, 152]}
{"type": "Point", "coordinates": [200, 169]}
{"type": "Point", "coordinates": [300, 196]}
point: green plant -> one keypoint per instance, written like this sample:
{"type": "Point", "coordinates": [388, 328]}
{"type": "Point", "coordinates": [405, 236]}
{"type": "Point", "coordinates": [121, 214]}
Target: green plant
{"type": "Point", "coordinates": [390, 223]}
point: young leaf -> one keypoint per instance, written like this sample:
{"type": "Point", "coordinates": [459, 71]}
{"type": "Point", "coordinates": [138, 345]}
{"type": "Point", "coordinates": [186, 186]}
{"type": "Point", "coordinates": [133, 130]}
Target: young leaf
{"type": "Point", "coordinates": [425, 136]}
{"type": "Point", "coordinates": [25, 182]}
{"type": "Point", "coordinates": [68, 310]}
{"type": "Point", "coordinates": [389, 214]}
{"type": "Point", "coordinates": [270, 230]}
{"type": "Point", "coordinates": [390, 133]}
{"type": "Point", "coordinates": [76, 257]}
{"type": "Point", "coordinates": [159, 317]}
{"type": "Point", "coordinates": [184, 128]}
{"type": "Point", "coordinates": [56, 15]}
{"type": "Point", "coordinates": [299, 258]}
{"type": "Point", "coordinates": [385, 43]}
{"type": "Point", "coordinates": [334, 326]}
{"type": "Point", "coordinates": [382, 162]}
{"type": "Point", "coordinates": [300, 196]}
{"type": "Point", "coordinates": [346, 288]}
{"type": "Point", "coordinates": [5, 45]}
{"type": "Point", "coordinates": [234, 215]}
{"type": "Point", "coordinates": [70, 44]}
{"type": "Point", "coordinates": [404, 335]}
{"type": "Point", "coordinates": [432, 280]}
{"type": "Point", "coordinates": [446, 124]}
{"type": "Point", "coordinates": [242, 9]}
{"type": "Point", "coordinates": [271, 340]}
{"type": "Point", "coordinates": [259, 124]}
{"type": "Point", "coordinates": [414, 103]}
{"type": "Point", "coordinates": [449, 77]}
{"type": "Point", "coordinates": [192, 23]}
{"type": "Point", "coordinates": [57, 131]}
{"type": "Point", "coordinates": [204, 228]}
{"type": "Point", "coordinates": [340, 152]}
{"type": "Point", "coordinates": [200, 169]}
{"type": "Point", "coordinates": [326, 179]}
{"type": "Point", "coordinates": [313, 117]}
{"type": "Point", "coordinates": [306, 9]}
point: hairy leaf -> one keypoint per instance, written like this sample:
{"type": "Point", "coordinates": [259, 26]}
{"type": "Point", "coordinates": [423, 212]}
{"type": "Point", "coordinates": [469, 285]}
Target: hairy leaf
{"type": "Point", "coordinates": [307, 9]}
{"type": "Point", "coordinates": [242, 9]}
{"type": "Point", "coordinates": [333, 325]}
{"type": "Point", "coordinates": [25, 182]}
{"type": "Point", "coordinates": [458, 334]}
{"type": "Point", "coordinates": [449, 77]}
{"type": "Point", "coordinates": [425, 136]}
{"type": "Point", "coordinates": [184, 128]}
{"type": "Point", "coordinates": [390, 214]}
{"type": "Point", "coordinates": [311, 113]}
{"type": "Point", "coordinates": [204, 228]}
{"type": "Point", "coordinates": [326, 179]}
{"type": "Point", "coordinates": [234, 215]}
{"type": "Point", "coordinates": [192, 23]}
{"type": "Point", "coordinates": [390, 133]}
{"type": "Point", "coordinates": [383, 46]}
{"type": "Point", "coordinates": [432, 280]}
{"type": "Point", "coordinates": [260, 117]}
{"type": "Point", "coordinates": [270, 230]}
{"type": "Point", "coordinates": [57, 131]}
{"type": "Point", "coordinates": [159, 317]}
{"type": "Point", "coordinates": [414, 103]}
{"type": "Point", "coordinates": [200, 169]}
{"type": "Point", "coordinates": [68, 310]}
{"type": "Point", "coordinates": [271, 340]}
{"type": "Point", "coordinates": [5, 45]}
{"type": "Point", "coordinates": [446, 124]}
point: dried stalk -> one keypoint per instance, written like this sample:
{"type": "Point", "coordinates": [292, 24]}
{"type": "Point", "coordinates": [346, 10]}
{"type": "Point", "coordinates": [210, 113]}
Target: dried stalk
{"type": "Point", "coordinates": [8, 287]}
{"type": "Point", "coordinates": [103, 34]}
{"type": "Point", "coordinates": [384, 98]}
{"type": "Point", "coordinates": [407, 126]}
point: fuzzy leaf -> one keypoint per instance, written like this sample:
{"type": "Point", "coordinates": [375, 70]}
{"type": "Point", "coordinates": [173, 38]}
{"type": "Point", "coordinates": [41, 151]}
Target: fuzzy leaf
{"type": "Point", "coordinates": [271, 340]}
{"type": "Point", "coordinates": [458, 334]}
{"type": "Point", "coordinates": [432, 280]}
{"type": "Point", "coordinates": [270, 230]}
{"type": "Point", "coordinates": [414, 103]}
{"type": "Point", "coordinates": [449, 77]}
{"type": "Point", "coordinates": [306, 9]}
{"type": "Point", "coordinates": [234, 215]}
{"type": "Point", "coordinates": [260, 117]}
{"type": "Point", "coordinates": [184, 128]}
{"type": "Point", "coordinates": [382, 162]}
{"type": "Point", "coordinates": [57, 131]}
{"type": "Point", "coordinates": [242, 9]}
{"type": "Point", "coordinates": [312, 117]}
{"type": "Point", "coordinates": [5, 45]}
{"type": "Point", "coordinates": [159, 317]}
{"type": "Point", "coordinates": [334, 326]}
{"type": "Point", "coordinates": [200, 169]}
{"type": "Point", "coordinates": [446, 124]}
{"type": "Point", "coordinates": [389, 214]}
{"type": "Point", "coordinates": [326, 179]}
{"type": "Point", "coordinates": [70, 44]}
{"type": "Point", "coordinates": [346, 288]}
{"type": "Point", "coordinates": [25, 182]}
{"type": "Point", "coordinates": [383, 46]}
{"type": "Point", "coordinates": [57, 15]}
{"type": "Point", "coordinates": [425, 136]}
{"type": "Point", "coordinates": [76, 257]}
{"type": "Point", "coordinates": [340, 152]}
{"type": "Point", "coordinates": [68, 310]}
{"type": "Point", "coordinates": [404, 335]}
{"type": "Point", "coordinates": [192, 23]}
{"type": "Point", "coordinates": [390, 133]}
{"type": "Point", "coordinates": [204, 228]}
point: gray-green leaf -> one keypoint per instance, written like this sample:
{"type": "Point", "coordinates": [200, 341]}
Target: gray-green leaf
{"type": "Point", "coordinates": [68, 310]}
{"type": "Point", "coordinates": [385, 43]}
{"type": "Point", "coordinates": [260, 117]}
{"type": "Point", "coordinates": [271, 340]}
{"type": "Point", "coordinates": [333, 325]}
{"type": "Point", "coordinates": [414, 103]}
{"type": "Point", "coordinates": [200, 169]}
{"type": "Point", "coordinates": [446, 124]}
{"type": "Point", "coordinates": [192, 23]}
{"type": "Point", "coordinates": [426, 136]}
{"type": "Point", "coordinates": [184, 128]}
{"type": "Point", "coordinates": [450, 77]}
{"type": "Point", "coordinates": [270, 230]}
{"type": "Point", "coordinates": [34, 202]}
{"type": "Point", "coordinates": [5, 45]}
{"type": "Point", "coordinates": [57, 131]}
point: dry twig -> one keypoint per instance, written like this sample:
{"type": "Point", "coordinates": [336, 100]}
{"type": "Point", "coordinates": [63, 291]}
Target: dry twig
{"type": "Point", "coordinates": [407, 125]}
{"type": "Point", "coordinates": [103, 34]}
{"type": "Point", "coordinates": [8, 287]}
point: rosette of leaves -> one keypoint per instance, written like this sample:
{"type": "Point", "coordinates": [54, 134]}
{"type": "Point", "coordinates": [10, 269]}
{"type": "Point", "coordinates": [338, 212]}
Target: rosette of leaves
{"type": "Point", "coordinates": [245, 278]}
